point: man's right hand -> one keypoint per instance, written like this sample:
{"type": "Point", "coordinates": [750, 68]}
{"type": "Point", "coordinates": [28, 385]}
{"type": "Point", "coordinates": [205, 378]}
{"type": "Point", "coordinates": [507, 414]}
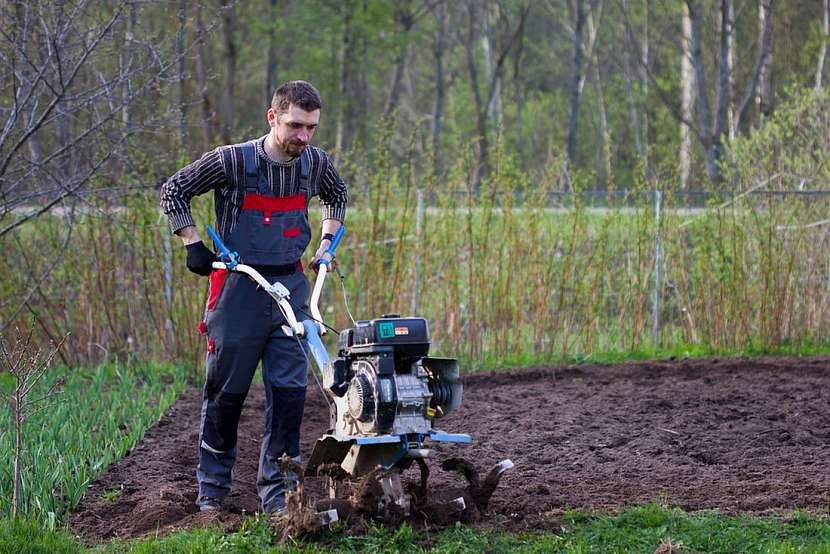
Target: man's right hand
{"type": "Point", "coordinates": [200, 258]}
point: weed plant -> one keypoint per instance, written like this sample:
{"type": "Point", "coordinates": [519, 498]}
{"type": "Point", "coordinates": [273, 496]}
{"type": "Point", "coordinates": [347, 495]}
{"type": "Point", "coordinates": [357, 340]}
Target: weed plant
{"type": "Point", "coordinates": [97, 418]}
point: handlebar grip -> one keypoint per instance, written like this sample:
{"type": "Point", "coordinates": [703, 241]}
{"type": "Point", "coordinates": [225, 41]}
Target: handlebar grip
{"type": "Point", "coordinates": [336, 240]}
{"type": "Point", "coordinates": [225, 253]}
{"type": "Point", "coordinates": [333, 246]}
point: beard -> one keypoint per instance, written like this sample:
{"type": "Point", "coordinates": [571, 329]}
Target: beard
{"type": "Point", "coordinates": [292, 147]}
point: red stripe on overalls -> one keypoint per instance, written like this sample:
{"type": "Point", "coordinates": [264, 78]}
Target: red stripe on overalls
{"type": "Point", "coordinates": [271, 204]}
{"type": "Point", "coordinates": [274, 203]}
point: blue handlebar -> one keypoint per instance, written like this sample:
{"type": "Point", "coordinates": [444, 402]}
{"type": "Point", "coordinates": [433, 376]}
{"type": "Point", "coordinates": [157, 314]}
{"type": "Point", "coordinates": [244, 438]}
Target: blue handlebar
{"type": "Point", "coordinates": [333, 246]}
{"type": "Point", "coordinates": [225, 256]}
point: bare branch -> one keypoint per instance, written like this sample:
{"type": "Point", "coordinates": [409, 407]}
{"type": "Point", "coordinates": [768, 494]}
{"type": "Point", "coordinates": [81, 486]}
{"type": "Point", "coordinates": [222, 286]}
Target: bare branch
{"type": "Point", "coordinates": [38, 283]}
{"type": "Point", "coordinates": [64, 85]}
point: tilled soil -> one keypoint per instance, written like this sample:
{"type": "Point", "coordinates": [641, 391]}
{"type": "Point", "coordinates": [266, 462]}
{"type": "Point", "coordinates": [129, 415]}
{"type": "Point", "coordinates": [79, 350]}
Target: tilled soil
{"type": "Point", "coordinates": [739, 435]}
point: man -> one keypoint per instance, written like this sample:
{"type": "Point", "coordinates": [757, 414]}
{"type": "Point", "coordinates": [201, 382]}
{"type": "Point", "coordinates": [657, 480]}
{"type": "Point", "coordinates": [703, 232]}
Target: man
{"type": "Point", "coordinates": [261, 192]}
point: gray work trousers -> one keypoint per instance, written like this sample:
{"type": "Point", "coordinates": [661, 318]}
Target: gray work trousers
{"type": "Point", "coordinates": [244, 326]}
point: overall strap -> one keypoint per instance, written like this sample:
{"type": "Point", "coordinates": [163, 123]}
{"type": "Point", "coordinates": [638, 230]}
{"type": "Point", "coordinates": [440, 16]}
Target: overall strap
{"type": "Point", "coordinates": [251, 170]}
{"type": "Point", "coordinates": [305, 167]}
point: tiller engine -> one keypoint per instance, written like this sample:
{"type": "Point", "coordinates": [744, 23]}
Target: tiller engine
{"type": "Point", "coordinates": [386, 394]}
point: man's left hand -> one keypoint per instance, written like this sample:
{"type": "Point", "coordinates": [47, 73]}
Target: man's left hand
{"type": "Point", "coordinates": [321, 254]}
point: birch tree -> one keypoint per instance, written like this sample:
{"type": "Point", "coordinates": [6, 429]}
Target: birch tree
{"type": "Point", "coordinates": [687, 92]}
{"type": "Point", "coordinates": [822, 53]}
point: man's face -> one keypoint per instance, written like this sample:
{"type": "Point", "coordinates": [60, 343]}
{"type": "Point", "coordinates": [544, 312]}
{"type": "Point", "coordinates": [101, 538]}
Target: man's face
{"type": "Point", "coordinates": [293, 129]}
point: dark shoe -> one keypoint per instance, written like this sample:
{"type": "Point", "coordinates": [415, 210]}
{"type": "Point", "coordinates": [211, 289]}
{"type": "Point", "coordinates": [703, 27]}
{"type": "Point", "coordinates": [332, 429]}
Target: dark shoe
{"type": "Point", "coordinates": [279, 516]}
{"type": "Point", "coordinates": [275, 507]}
{"type": "Point", "coordinates": [208, 504]}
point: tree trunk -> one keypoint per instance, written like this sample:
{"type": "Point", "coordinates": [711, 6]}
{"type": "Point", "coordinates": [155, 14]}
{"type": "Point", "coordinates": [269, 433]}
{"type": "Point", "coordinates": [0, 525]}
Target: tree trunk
{"type": "Point", "coordinates": [494, 105]}
{"type": "Point", "coordinates": [763, 94]}
{"type": "Point", "coordinates": [687, 98]}
{"type": "Point", "coordinates": [518, 98]}
{"type": "Point", "coordinates": [440, 13]}
{"type": "Point", "coordinates": [628, 76]}
{"type": "Point", "coordinates": [360, 83]}
{"type": "Point", "coordinates": [203, 63]}
{"type": "Point", "coordinates": [271, 69]}
{"type": "Point", "coordinates": [64, 105]}
{"type": "Point", "coordinates": [229, 63]}
{"type": "Point", "coordinates": [822, 53]}
{"type": "Point", "coordinates": [480, 108]}
{"type": "Point", "coordinates": [346, 55]}
{"type": "Point", "coordinates": [405, 19]}
{"type": "Point", "coordinates": [129, 52]}
{"type": "Point", "coordinates": [577, 78]}
{"type": "Point", "coordinates": [605, 135]}
{"type": "Point", "coordinates": [703, 98]}
{"type": "Point", "coordinates": [645, 69]}
{"type": "Point", "coordinates": [721, 127]}
{"type": "Point", "coordinates": [182, 99]}
{"type": "Point", "coordinates": [730, 68]}
{"type": "Point", "coordinates": [760, 70]}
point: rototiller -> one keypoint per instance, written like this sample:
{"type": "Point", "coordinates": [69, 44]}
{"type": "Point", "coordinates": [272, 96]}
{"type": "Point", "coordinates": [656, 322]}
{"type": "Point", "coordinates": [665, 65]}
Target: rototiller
{"type": "Point", "coordinates": [385, 390]}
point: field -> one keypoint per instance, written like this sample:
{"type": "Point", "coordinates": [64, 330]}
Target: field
{"type": "Point", "coordinates": [741, 436]}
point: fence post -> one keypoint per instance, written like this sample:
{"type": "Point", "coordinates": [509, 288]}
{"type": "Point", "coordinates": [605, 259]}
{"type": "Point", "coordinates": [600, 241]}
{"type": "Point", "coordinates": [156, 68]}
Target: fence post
{"type": "Point", "coordinates": [419, 216]}
{"type": "Point", "coordinates": [655, 332]}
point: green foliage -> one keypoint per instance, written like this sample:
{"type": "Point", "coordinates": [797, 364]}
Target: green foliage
{"type": "Point", "coordinates": [791, 150]}
{"type": "Point", "coordinates": [112, 495]}
{"type": "Point", "coordinates": [28, 536]}
{"type": "Point", "coordinates": [100, 414]}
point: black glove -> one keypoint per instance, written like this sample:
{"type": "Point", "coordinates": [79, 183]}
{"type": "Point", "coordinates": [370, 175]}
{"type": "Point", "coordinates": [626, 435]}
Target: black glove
{"type": "Point", "coordinates": [200, 258]}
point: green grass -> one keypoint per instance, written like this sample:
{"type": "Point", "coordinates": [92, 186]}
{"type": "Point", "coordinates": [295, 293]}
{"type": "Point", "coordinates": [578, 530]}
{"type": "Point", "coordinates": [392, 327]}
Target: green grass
{"type": "Point", "coordinates": [678, 352]}
{"type": "Point", "coordinates": [27, 536]}
{"type": "Point", "coordinates": [99, 415]}
{"type": "Point", "coordinates": [638, 529]}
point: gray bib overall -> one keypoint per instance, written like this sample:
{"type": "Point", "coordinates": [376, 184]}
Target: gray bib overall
{"type": "Point", "coordinates": [243, 327]}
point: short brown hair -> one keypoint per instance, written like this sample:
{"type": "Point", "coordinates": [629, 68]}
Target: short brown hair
{"type": "Point", "coordinates": [299, 93]}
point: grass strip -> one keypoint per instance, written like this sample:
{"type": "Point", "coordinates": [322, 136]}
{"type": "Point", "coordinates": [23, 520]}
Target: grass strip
{"type": "Point", "coordinates": [98, 416]}
{"type": "Point", "coordinates": [526, 360]}
{"type": "Point", "coordinates": [637, 529]}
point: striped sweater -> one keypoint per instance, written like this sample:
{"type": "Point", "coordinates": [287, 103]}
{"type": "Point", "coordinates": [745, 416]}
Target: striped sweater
{"type": "Point", "coordinates": [222, 171]}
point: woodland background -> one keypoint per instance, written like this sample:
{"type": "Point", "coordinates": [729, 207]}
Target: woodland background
{"type": "Point", "coordinates": [475, 105]}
